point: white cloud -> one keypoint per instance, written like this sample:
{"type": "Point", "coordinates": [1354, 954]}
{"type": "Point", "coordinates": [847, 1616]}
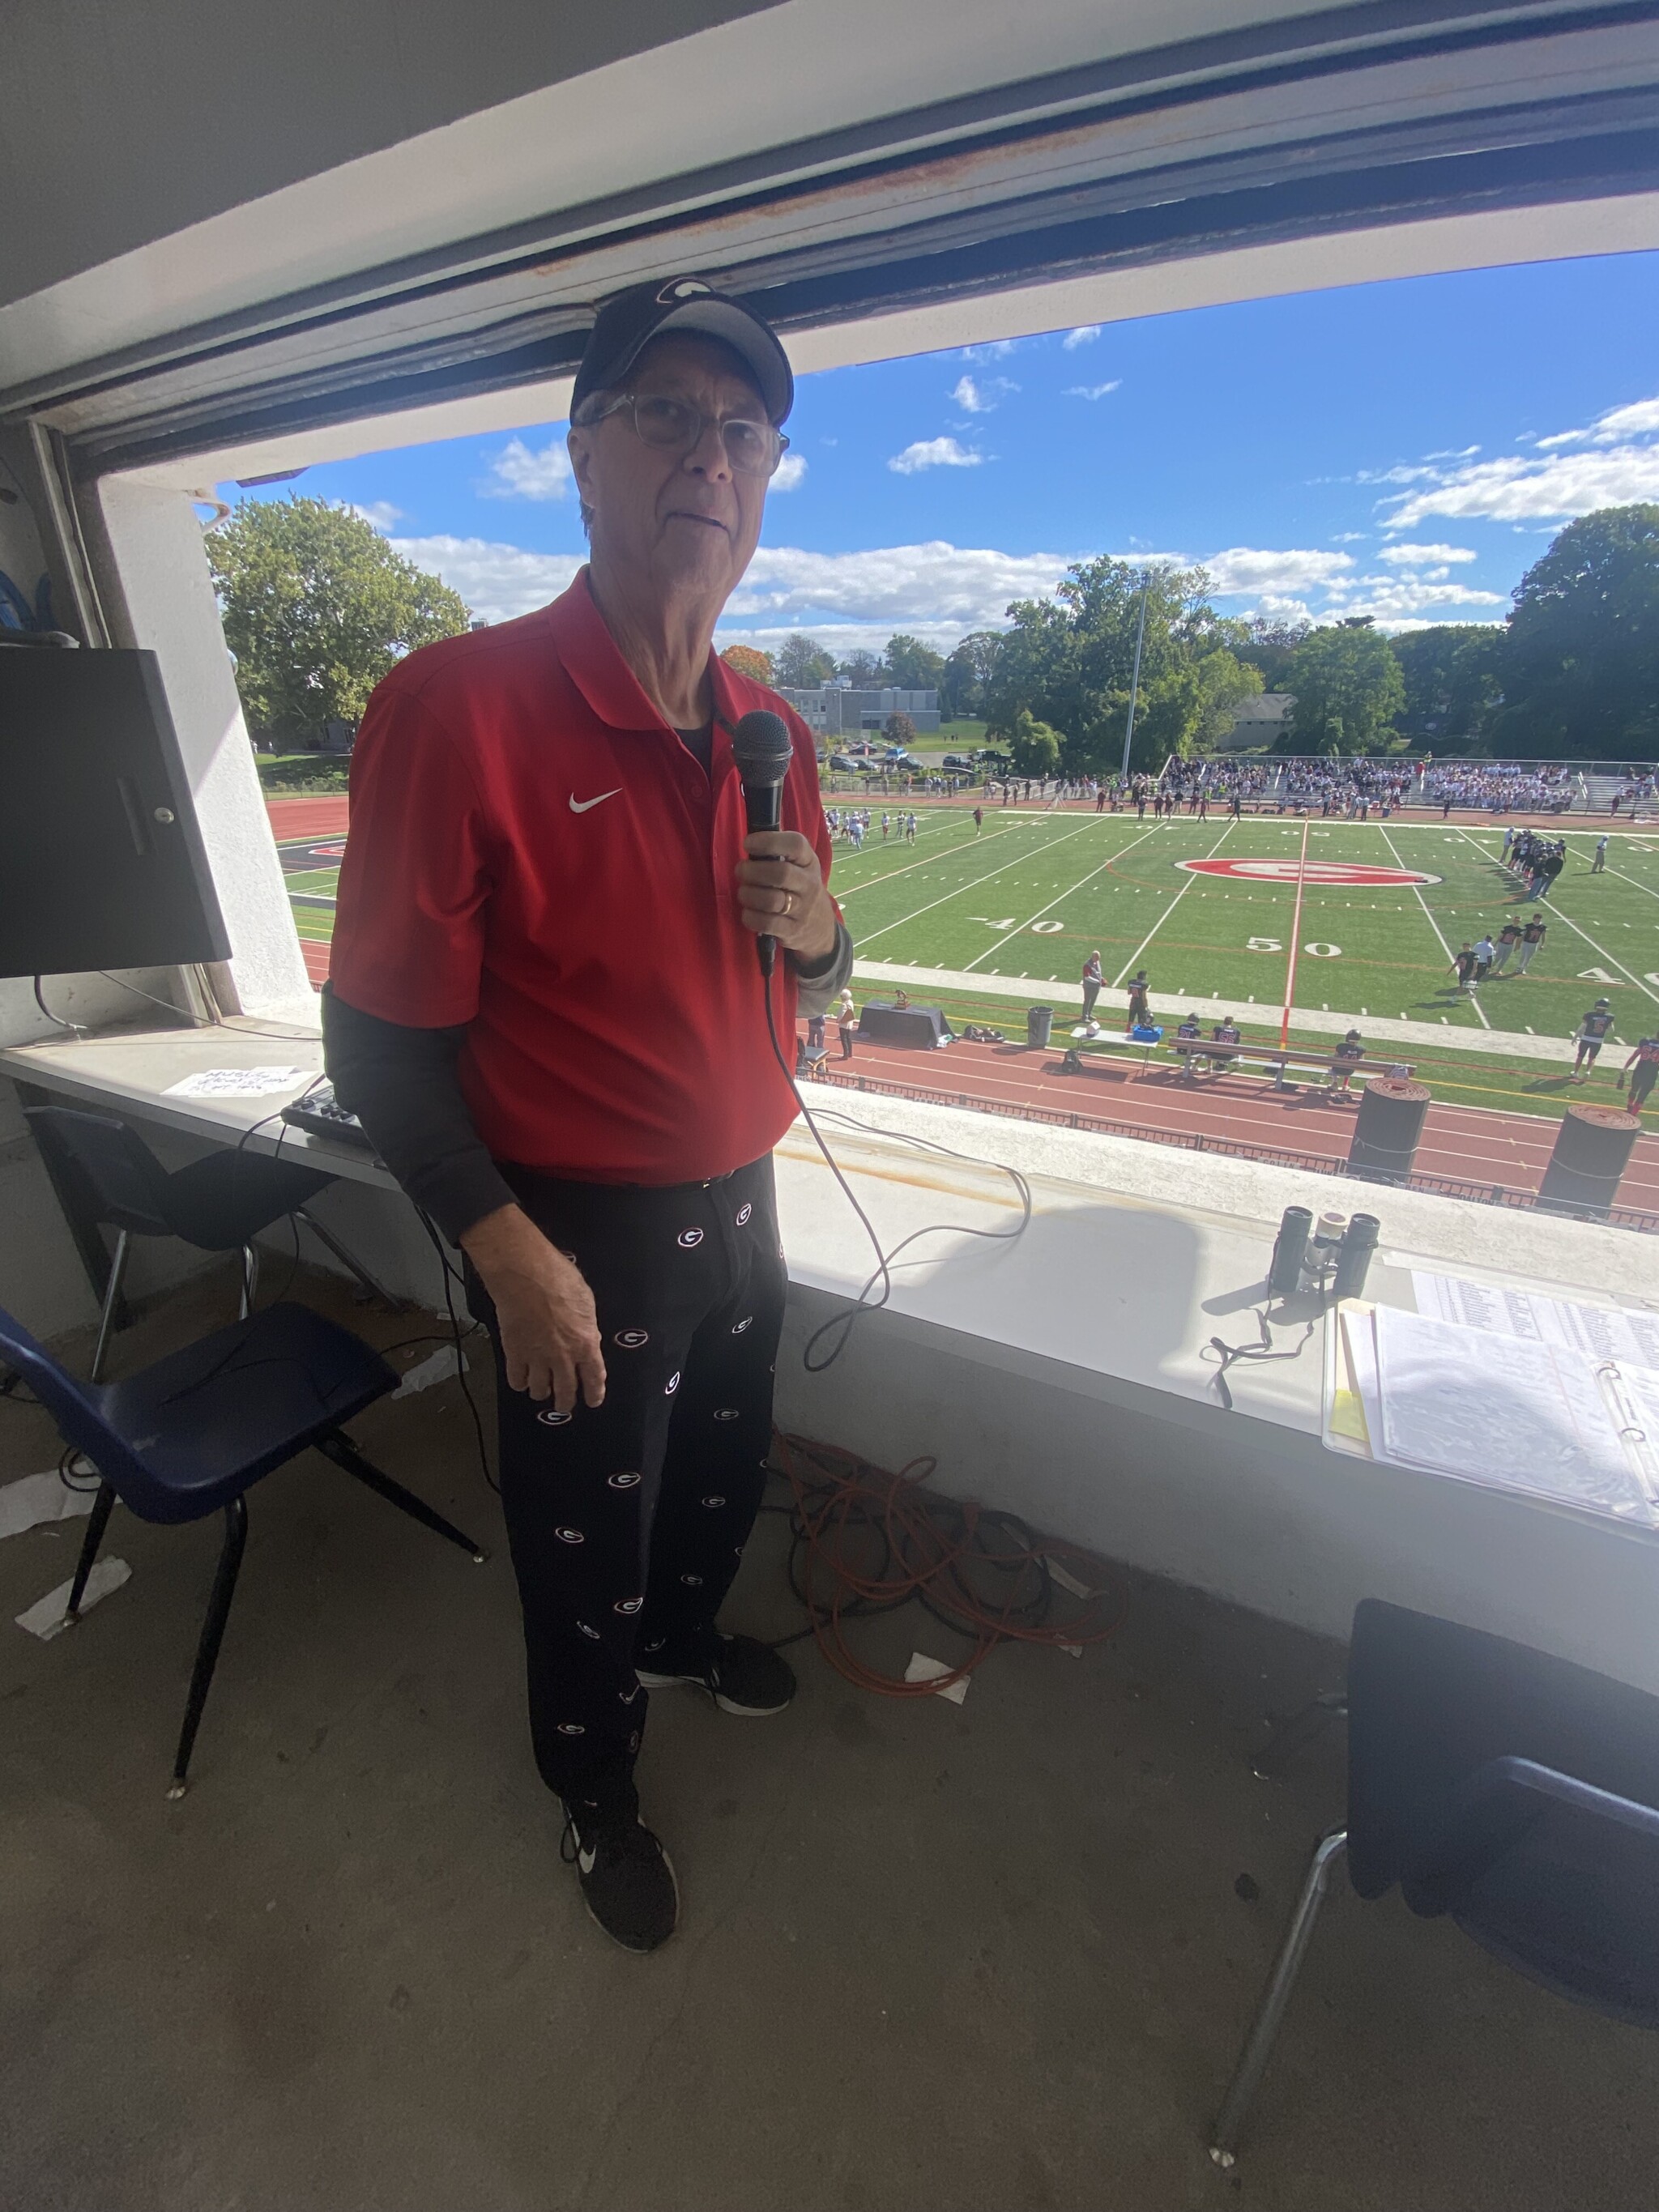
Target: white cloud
{"type": "Point", "coordinates": [935, 584]}
{"type": "Point", "coordinates": [1349, 537]}
{"type": "Point", "coordinates": [1396, 601]}
{"type": "Point", "coordinates": [381, 512]}
{"type": "Point", "coordinates": [1424, 556]}
{"type": "Point", "coordinates": [1085, 334]}
{"type": "Point", "coordinates": [1638, 420]}
{"type": "Point", "coordinates": [1273, 607]}
{"type": "Point", "coordinates": [1463, 453]}
{"type": "Point", "coordinates": [939, 591]}
{"type": "Point", "coordinates": [979, 397]}
{"type": "Point", "coordinates": [1243, 568]}
{"type": "Point", "coordinates": [790, 470]}
{"type": "Point", "coordinates": [1091, 391]}
{"type": "Point", "coordinates": [992, 349]}
{"type": "Point", "coordinates": [933, 454]}
{"type": "Point", "coordinates": [496, 581]}
{"type": "Point", "coordinates": [1520, 489]}
{"type": "Point", "coordinates": [1400, 473]}
{"type": "Point", "coordinates": [842, 639]}
{"type": "Point", "coordinates": [521, 474]}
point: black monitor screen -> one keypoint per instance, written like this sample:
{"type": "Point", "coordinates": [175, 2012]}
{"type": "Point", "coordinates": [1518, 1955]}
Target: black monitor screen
{"type": "Point", "coordinates": [101, 861]}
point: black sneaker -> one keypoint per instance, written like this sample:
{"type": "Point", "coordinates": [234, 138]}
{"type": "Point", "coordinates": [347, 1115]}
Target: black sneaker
{"type": "Point", "coordinates": [627, 1878]}
{"type": "Point", "coordinates": [740, 1674]}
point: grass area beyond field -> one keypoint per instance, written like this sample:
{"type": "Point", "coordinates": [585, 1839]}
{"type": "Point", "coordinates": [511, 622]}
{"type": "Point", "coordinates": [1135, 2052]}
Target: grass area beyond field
{"type": "Point", "coordinates": [1029, 897]}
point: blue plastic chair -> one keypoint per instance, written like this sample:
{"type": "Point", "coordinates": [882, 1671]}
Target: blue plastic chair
{"type": "Point", "coordinates": [191, 1435]}
{"type": "Point", "coordinates": [1517, 1792]}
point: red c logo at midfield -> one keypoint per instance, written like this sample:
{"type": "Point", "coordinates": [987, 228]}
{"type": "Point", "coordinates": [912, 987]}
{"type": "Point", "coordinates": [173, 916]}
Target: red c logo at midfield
{"type": "Point", "coordinates": [1316, 872]}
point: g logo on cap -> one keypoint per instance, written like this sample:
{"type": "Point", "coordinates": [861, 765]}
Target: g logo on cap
{"type": "Point", "coordinates": [682, 288]}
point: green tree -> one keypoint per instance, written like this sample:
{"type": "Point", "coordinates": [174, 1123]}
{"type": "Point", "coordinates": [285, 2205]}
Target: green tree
{"type": "Point", "coordinates": [1269, 645]}
{"type": "Point", "coordinates": [1581, 659]}
{"type": "Point", "coordinates": [1453, 676]}
{"type": "Point", "coordinates": [800, 662]}
{"type": "Point", "coordinates": [912, 665]}
{"type": "Point", "coordinates": [966, 674]}
{"type": "Point", "coordinates": [1033, 748]}
{"type": "Point", "coordinates": [864, 670]}
{"type": "Point", "coordinates": [1348, 690]}
{"type": "Point", "coordinates": [899, 730]}
{"type": "Point", "coordinates": [318, 608]}
{"type": "Point", "coordinates": [1069, 661]}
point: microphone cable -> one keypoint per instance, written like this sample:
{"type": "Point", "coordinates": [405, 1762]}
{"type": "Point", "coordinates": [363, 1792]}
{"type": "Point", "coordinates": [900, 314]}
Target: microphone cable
{"type": "Point", "coordinates": [836, 1331]}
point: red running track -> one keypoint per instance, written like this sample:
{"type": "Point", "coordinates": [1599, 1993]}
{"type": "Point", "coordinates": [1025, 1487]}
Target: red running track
{"type": "Point", "coordinates": [324, 814]}
{"type": "Point", "coordinates": [1472, 1144]}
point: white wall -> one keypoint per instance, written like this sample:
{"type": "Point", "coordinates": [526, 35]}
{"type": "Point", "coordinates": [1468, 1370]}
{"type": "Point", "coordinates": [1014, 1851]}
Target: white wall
{"type": "Point", "coordinates": [1252, 1513]}
{"type": "Point", "coordinates": [155, 540]}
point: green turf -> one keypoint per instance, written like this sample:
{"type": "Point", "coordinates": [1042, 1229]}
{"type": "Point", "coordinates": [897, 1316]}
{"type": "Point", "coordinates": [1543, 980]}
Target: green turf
{"type": "Point", "coordinates": [1031, 895]}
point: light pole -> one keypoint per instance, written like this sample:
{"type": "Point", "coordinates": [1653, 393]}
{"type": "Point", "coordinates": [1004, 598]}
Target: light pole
{"type": "Point", "coordinates": [1134, 681]}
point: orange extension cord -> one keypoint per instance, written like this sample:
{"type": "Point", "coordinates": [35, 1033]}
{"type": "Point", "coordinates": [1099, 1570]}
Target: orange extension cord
{"type": "Point", "coordinates": [866, 1541]}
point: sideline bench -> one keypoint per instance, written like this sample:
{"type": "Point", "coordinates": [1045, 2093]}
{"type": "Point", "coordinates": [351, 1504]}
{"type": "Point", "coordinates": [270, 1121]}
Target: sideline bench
{"type": "Point", "coordinates": [1272, 1059]}
{"type": "Point", "coordinates": [1191, 1051]}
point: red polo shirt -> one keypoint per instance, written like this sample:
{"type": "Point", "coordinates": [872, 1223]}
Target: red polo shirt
{"type": "Point", "coordinates": [535, 854]}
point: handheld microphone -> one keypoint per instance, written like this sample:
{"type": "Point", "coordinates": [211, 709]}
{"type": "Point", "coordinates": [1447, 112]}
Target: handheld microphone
{"type": "Point", "coordinates": [762, 747]}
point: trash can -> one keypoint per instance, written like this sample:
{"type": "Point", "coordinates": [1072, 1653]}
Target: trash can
{"type": "Point", "coordinates": [1391, 1112]}
{"type": "Point", "coordinates": [1592, 1149]}
{"type": "Point", "coordinates": [1039, 1026]}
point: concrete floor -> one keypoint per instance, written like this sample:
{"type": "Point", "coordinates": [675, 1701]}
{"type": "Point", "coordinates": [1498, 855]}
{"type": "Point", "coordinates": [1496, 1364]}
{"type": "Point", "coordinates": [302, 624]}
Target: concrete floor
{"type": "Point", "coordinates": [931, 1958]}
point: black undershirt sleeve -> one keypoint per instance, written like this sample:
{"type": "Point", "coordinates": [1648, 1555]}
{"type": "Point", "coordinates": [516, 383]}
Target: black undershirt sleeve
{"type": "Point", "coordinates": [403, 1085]}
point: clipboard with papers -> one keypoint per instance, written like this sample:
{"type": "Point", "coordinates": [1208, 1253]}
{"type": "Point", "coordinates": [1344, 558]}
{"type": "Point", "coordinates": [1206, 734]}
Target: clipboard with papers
{"type": "Point", "coordinates": [1544, 1398]}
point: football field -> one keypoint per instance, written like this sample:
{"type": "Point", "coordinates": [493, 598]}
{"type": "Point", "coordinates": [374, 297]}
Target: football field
{"type": "Point", "coordinates": [1211, 910]}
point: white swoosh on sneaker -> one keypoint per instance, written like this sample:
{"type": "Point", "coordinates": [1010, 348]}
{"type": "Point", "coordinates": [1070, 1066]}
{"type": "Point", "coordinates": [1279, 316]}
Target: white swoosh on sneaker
{"type": "Point", "coordinates": [581, 806]}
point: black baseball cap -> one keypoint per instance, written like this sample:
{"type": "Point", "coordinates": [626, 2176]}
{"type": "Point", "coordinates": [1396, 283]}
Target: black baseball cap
{"type": "Point", "coordinates": [626, 324]}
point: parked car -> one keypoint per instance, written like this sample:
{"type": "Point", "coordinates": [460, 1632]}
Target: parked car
{"type": "Point", "coordinates": [841, 761]}
{"type": "Point", "coordinates": [957, 760]}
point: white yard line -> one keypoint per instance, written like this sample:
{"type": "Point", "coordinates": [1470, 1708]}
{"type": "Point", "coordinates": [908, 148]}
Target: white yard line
{"type": "Point", "coordinates": [961, 890]}
{"type": "Point", "coordinates": [1560, 913]}
{"type": "Point", "coordinates": [1191, 879]}
{"type": "Point", "coordinates": [870, 882]}
{"type": "Point", "coordinates": [1428, 917]}
{"type": "Point", "coordinates": [1038, 915]}
{"type": "Point", "coordinates": [1111, 860]}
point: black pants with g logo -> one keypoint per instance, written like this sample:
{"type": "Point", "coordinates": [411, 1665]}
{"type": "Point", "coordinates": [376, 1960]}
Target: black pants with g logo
{"type": "Point", "coordinates": [627, 1522]}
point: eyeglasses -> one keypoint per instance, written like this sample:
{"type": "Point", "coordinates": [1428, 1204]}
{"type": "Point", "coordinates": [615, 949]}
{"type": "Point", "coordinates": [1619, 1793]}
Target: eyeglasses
{"type": "Point", "coordinates": [674, 426]}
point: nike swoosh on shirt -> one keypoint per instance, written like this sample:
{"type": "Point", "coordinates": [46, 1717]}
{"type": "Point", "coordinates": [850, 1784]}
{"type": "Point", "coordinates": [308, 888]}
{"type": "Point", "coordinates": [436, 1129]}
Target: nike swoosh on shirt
{"type": "Point", "coordinates": [581, 806]}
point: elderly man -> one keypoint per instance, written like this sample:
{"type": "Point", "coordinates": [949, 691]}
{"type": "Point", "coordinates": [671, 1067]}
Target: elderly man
{"type": "Point", "coordinates": [547, 1011]}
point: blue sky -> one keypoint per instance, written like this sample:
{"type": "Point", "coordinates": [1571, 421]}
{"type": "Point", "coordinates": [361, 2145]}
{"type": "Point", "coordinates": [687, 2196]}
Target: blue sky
{"type": "Point", "coordinates": [1401, 449]}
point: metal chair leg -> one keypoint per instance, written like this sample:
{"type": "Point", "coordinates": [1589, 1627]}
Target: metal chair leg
{"type": "Point", "coordinates": [339, 1448]}
{"type": "Point", "coordinates": [118, 1268]}
{"type": "Point", "coordinates": [348, 1259]}
{"type": "Point", "coordinates": [250, 1280]}
{"type": "Point", "coordinates": [213, 1631]}
{"type": "Point", "coordinates": [101, 1508]}
{"type": "Point", "coordinates": [1258, 2045]}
